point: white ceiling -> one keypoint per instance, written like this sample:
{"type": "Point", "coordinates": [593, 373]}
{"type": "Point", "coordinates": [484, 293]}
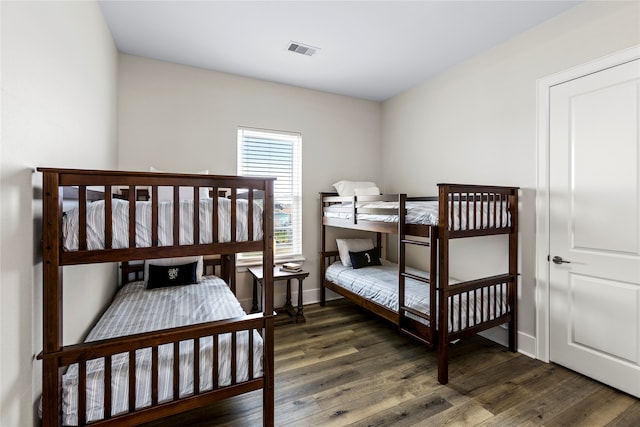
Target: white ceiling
{"type": "Point", "coordinates": [368, 49]}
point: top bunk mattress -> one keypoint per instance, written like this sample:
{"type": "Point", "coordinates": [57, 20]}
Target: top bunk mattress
{"type": "Point", "coordinates": [120, 223]}
{"type": "Point", "coordinates": [463, 217]}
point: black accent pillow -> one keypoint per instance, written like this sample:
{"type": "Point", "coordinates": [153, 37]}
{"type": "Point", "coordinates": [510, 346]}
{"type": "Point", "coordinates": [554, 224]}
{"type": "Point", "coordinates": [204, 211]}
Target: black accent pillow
{"type": "Point", "coordinates": [162, 276]}
{"type": "Point", "coordinates": [364, 258]}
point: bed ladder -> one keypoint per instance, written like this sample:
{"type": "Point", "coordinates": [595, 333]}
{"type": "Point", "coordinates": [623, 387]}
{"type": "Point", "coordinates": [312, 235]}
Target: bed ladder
{"type": "Point", "coordinates": [422, 333]}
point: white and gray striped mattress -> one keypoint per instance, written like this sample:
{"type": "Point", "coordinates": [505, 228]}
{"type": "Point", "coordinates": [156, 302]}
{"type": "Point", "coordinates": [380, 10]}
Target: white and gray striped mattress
{"type": "Point", "coordinates": [136, 310]}
{"type": "Point", "coordinates": [379, 283]}
{"type": "Point", "coordinates": [120, 223]}
{"type": "Point", "coordinates": [426, 213]}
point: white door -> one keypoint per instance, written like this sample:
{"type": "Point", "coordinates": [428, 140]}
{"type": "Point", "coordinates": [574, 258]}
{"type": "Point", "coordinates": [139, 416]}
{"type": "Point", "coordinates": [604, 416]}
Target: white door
{"type": "Point", "coordinates": [594, 183]}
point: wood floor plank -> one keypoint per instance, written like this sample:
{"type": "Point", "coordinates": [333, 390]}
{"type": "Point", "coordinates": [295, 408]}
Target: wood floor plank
{"type": "Point", "coordinates": [541, 408]}
{"type": "Point", "coordinates": [351, 410]}
{"type": "Point", "coordinates": [630, 417]}
{"type": "Point", "coordinates": [597, 409]}
{"type": "Point", "coordinates": [408, 413]}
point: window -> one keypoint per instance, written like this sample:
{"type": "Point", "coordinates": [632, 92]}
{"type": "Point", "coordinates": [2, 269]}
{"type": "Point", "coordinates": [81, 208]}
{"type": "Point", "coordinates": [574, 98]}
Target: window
{"type": "Point", "coordinates": [277, 154]}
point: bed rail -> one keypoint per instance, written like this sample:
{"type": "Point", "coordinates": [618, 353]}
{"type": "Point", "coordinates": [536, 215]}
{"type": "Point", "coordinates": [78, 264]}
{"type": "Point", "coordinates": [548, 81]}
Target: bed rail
{"type": "Point", "coordinates": [129, 346]}
{"type": "Point", "coordinates": [477, 210]}
{"type": "Point", "coordinates": [349, 209]}
{"type": "Point", "coordinates": [87, 184]}
{"type": "Point", "coordinates": [467, 211]}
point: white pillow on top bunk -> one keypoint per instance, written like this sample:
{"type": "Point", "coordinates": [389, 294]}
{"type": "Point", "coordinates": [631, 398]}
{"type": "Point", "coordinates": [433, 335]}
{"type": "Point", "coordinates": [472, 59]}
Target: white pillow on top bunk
{"type": "Point", "coordinates": [163, 262]}
{"type": "Point", "coordinates": [165, 194]}
{"type": "Point", "coordinates": [352, 245]}
{"type": "Point", "coordinates": [348, 188]}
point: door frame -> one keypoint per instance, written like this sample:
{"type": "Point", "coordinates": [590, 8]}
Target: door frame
{"type": "Point", "coordinates": [542, 270]}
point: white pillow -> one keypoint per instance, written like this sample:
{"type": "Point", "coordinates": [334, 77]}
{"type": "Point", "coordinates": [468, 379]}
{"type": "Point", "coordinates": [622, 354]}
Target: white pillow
{"type": "Point", "coordinates": [369, 191]}
{"type": "Point", "coordinates": [176, 261]}
{"type": "Point", "coordinates": [347, 188]}
{"type": "Point", "coordinates": [165, 194]}
{"type": "Point", "coordinates": [352, 245]}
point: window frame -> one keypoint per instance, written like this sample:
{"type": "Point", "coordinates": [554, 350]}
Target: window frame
{"type": "Point", "coordinates": [289, 189]}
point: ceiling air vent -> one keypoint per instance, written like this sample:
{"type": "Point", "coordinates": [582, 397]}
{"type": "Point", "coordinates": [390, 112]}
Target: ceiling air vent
{"type": "Point", "coordinates": [302, 49]}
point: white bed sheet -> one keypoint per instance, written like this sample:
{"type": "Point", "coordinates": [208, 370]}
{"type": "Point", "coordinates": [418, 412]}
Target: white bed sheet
{"type": "Point", "coordinates": [426, 213]}
{"type": "Point", "coordinates": [380, 284]}
{"type": "Point", "coordinates": [120, 223]}
{"type": "Point", "coordinates": [135, 310]}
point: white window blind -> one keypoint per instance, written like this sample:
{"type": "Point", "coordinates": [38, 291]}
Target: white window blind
{"type": "Point", "coordinates": [277, 154]}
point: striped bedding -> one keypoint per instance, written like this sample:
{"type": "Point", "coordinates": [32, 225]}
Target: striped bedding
{"type": "Point", "coordinates": [120, 223]}
{"type": "Point", "coordinates": [380, 284]}
{"type": "Point", "coordinates": [426, 213]}
{"type": "Point", "coordinates": [136, 309]}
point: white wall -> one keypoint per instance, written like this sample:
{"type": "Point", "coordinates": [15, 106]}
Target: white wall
{"type": "Point", "coordinates": [476, 123]}
{"type": "Point", "coordinates": [59, 109]}
{"type": "Point", "coordinates": [184, 119]}
{"type": "Point", "coordinates": [59, 92]}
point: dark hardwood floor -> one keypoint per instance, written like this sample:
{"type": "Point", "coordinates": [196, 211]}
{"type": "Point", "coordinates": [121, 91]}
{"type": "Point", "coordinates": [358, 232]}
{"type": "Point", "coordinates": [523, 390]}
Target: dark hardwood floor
{"type": "Point", "coordinates": [346, 367]}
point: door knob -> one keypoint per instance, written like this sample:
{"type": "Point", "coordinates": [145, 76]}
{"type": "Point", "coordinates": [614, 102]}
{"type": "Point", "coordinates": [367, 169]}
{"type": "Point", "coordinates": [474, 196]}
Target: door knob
{"type": "Point", "coordinates": [558, 260]}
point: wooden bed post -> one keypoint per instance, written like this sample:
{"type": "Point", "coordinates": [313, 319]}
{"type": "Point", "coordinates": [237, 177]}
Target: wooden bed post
{"type": "Point", "coordinates": [433, 279]}
{"type": "Point", "coordinates": [268, 394]}
{"type": "Point", "coordinates": [443, 285]}
{"type": "Point", "coordinates": [402, 261]}
{"type": "Point", "coordinates": [323, 249]}
{"type": "Point", "coordinates": [513, 271]}
{"type": "Point", "coordinates": [228, 270]}
{"type": "Point", "coordinates": [52, 300]}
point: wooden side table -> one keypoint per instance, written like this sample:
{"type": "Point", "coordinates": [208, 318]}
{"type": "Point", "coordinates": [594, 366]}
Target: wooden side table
{"type": "Point", "coordinates": [296, 315]}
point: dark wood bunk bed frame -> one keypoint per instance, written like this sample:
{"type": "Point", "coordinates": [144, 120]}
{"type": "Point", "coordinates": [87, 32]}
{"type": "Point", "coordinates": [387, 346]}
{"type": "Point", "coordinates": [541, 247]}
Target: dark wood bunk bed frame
{"type": "Point", "coordinates": [57, 357]}
{"type": "Point", "coordinates": [437, 237]}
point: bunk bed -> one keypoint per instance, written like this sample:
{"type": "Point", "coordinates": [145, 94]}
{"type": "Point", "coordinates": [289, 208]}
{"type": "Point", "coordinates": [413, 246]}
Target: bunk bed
{"type": "Point", "coordinates": [425, 303]}
{"type": "Point", "coordinates": [144, 372]}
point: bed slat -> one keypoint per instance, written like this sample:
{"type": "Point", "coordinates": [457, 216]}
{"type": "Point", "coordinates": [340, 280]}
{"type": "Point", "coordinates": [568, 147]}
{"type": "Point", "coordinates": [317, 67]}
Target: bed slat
{"type": "Point", "coordinates": [154, 375]}
{"type": "Point", "coordinates": [234, 360]}
{"type": "Point", "coordinates": [214, 218]}
{"type": "Point", "coordinates": [176, 370]}
{"type": "Point", "coordinates": [196, 366]}
{"type": "Point", "coordinates": [196, 215]}
{"type": "Point", "coordinates": [495, 209]}
{"type": "Point", "coordinates": [467, 197]}
{"type": "Point", "coordinates": [82, 392]}
{"type": "Point", "coordinates": [176, 215]}
{"type": "Point", "coordinates": [250, 215]}
{"type": "Point", "coordinates": [132, 380]}
{"type": "Point", "coordinates": [107, 387]}
{"type": "Point", "coordinates": [108, 215]}
{"type": "Point", "coordinates": [250, 352]}
{"type": "Point", "coordinates": [82, 218]}
{"type": "Point", "coordinates": [482, 216]}
{"type": "Point", "coordinates": [154, 215]}
{"type": "Point", "coordinates": [215, 362]}
{"type": "Point", "coordinates": [233, 212]}
{"type": "Point", "coordinates": [132, 216]}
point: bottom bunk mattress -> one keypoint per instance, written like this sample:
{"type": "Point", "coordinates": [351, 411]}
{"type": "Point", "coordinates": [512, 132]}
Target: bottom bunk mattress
{"type": "Point", "coordinates": [379, 284]}
{"type": "Point", "coordinates": [136, 309]}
